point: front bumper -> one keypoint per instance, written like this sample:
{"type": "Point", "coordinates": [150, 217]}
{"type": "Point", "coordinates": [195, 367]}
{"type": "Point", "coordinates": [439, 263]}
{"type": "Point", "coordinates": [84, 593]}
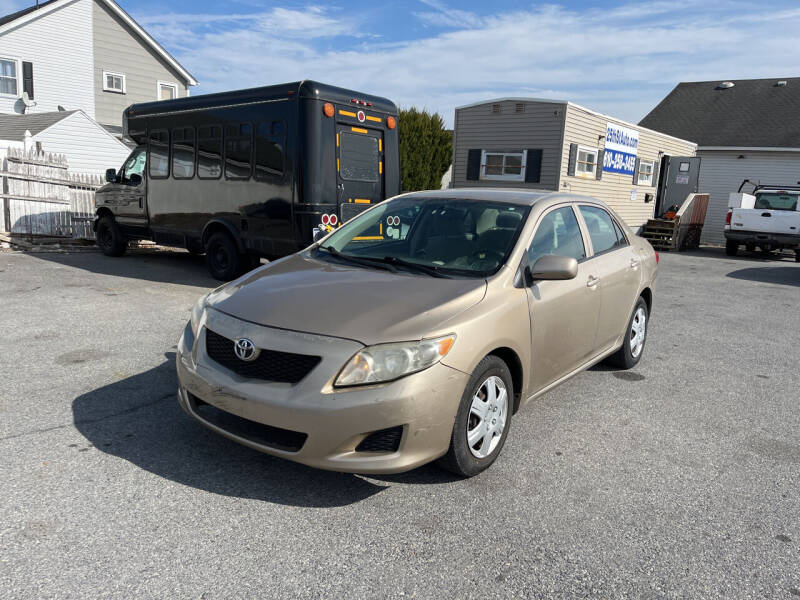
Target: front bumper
{"type": "Point", "coordinates": [334, 421]}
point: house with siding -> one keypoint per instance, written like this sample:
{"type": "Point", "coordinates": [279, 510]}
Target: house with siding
{"type": "Point", "coordinates": [744, 129]}
{"type": "Point", "coordinates": [558, 145]}
{"type": "Point", "coordinates": [87, 55]}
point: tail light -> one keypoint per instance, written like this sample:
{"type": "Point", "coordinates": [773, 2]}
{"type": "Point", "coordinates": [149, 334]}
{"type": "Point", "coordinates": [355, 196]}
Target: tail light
{"type": "Point", "coordinates": [327, 109]}
{"type": "Point", "coordinates": [391, 122]}
{"type": "Point", "coordinates": [728, 218]}
{"type": "Point", "coordinates": [657, 258]}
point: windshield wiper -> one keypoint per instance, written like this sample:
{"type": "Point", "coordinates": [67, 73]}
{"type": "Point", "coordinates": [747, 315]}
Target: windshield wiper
{"type": "Point", "coordinates": [429, 270]}
{"type": "Point", "coordinates": [364, 262]}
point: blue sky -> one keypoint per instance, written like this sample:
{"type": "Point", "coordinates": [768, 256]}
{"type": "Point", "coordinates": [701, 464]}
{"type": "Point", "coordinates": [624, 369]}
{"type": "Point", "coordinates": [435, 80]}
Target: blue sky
{"type": "Point", "coordinates": [618, 57]}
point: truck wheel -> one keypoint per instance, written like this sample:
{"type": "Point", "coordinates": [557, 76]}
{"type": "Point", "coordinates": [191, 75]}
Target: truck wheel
{"type": "Point", "coordinates": [222, 256]}
{"type": "Point", "coordinates": [731, 248]}
{"type": "Point", "coordinates": [109, 238]}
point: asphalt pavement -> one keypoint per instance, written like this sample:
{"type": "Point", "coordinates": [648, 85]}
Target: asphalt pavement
{"type": "Point", "coordinates": [679, 479]}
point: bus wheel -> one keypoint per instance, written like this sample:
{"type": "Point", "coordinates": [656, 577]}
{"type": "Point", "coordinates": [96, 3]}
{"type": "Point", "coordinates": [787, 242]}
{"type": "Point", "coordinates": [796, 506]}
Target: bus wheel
{"type": "Point", "coordinates": [223, 257]}
{"type": "Point", "coordinates": [110, 238]}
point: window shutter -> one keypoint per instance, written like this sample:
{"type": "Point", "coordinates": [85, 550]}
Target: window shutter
{"type": "Point", "coordinates": [598, 174]}
{"type": "Point", "coordinates": [656, 170]}
{"type": "Point", "coordinates": [636, 171]}
{"type": "Point", "coordinates": [573, 159]}
{"type": "Point", "coordinates": [474, 165]}
{"type": "Point", "coordinates": [27, 78]}
{"type": "Point", "coordinates": [533, 166]}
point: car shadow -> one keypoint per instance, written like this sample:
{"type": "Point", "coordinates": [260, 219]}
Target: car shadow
{"type": "Point", "coordinates": [165, 266]}
{"type": "Point", "coordinates": [774, 275]}
{"type": "Point", "coordinates": [139, 420]}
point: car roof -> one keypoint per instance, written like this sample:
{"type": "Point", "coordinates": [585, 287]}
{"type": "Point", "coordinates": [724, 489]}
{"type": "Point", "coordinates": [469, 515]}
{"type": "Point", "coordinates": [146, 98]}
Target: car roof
{"type": "Point", "coordinates": [521, 197]}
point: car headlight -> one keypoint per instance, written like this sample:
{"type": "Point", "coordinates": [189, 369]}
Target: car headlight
{"type": "Point", "coordinates": [376, 364]}
{"type": "Point", "coordinates": [197, 313]}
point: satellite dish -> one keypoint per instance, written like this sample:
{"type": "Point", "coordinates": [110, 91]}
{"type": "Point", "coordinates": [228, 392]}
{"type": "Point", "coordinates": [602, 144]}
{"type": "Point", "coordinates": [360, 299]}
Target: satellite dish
{"type": "Point", "coordinates": [27, 101]}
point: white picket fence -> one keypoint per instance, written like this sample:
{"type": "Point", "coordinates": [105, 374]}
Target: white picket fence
{"type": "Point", "coordinates": [41, 198]}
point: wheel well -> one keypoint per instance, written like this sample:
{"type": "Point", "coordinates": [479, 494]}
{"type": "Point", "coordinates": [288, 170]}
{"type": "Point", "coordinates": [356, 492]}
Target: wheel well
{"type": "Point", "coordinates": [101, 212]}
{"type": "Point", "coordinates": [647, 294]}
{"type": "Point", "coordinates": [218, 227]}
{"type": "Point", "coordinates": [508, 356]}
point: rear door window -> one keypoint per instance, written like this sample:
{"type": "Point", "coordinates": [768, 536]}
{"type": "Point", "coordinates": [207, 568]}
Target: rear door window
{"type": "Point", "coordinates": [601, 228]}
{"type": "Point", "coordinates": [776, 201]}
{"type": "Point", "coordinates": [360, 157]}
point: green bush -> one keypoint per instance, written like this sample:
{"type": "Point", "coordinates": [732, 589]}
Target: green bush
{"type": "Point", "coordinates": [426, 149]}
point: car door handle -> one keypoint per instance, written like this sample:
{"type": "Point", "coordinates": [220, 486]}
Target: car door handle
{"type": "Point", "coordinates": [635, 263]}
{"type": "Point", "coordinates": [592, 281]}
{"type": "Point", "coordinates": [766, 214]}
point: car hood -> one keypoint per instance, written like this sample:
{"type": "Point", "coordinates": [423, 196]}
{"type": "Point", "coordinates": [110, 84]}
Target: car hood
{"type": "Point", "coordinates": [370, 306]}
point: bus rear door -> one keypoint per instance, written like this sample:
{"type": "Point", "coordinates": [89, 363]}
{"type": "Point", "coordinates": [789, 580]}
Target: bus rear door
{"type": "Point", "coordinates": [359, 166]}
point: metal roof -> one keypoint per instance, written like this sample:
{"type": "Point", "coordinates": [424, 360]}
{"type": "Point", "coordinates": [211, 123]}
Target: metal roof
{"type": "Point", "coordinates": [753, 113]}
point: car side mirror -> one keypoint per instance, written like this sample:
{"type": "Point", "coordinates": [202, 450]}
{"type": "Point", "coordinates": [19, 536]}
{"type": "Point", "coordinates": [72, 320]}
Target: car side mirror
{"type": "Point", "coordinates": [111, 175]}
{"type": "Point", "coordinates": [552, 267]}
{"type": "Point", "coordinates": [319, 234]}
{"type": "Point", "coordinates": [135, 180]}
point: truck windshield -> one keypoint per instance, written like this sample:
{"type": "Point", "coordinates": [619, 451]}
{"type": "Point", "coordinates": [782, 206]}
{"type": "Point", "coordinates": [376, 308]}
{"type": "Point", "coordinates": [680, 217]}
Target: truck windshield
{"type": "Point", "coordinates": [452, 237]}
{"type": "Point", "coordinates": [776, 201]}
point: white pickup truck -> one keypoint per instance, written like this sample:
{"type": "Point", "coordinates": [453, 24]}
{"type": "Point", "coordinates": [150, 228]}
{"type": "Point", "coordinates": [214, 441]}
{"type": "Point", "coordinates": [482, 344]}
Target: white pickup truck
{"type": "Point", "coordinates": [767, 218]}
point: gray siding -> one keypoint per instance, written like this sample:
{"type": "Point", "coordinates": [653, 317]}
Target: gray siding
{"type": "Point", "coordinates": [588, 128]}
{"type": "Point", "coordinates": [722, 172]}
{"type": "Point", "coordinates": [118, 49]}
{"type": "Point", "coordinates": [539, 126]}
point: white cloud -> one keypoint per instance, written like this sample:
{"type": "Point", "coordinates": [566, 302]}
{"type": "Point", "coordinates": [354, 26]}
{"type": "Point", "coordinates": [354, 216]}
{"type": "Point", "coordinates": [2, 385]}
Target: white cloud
{"type": "Point", "coordinates": [620, 61]}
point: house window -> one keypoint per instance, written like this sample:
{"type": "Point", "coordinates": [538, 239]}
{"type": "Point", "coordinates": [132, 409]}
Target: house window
{"type": "Point", "coordinates": [167, 91]}
{"type": "Point", "coordinates": [503, 166]}
{"type": "Point", "coordinates": [113, 82]}
{"type": "Point", "coordinates": [8, 76]}
{"type": "Point", "coordinates": [645, 175]}
{"type": "Point", "coordinates": [586, 162]}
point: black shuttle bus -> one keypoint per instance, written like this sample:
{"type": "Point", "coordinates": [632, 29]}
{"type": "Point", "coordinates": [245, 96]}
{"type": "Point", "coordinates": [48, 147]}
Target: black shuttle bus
{"type": "Point", "coordinates": [251, 173]}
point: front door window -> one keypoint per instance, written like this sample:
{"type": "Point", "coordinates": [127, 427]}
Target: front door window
{"type": "Point", "coordinates": [134, 165]}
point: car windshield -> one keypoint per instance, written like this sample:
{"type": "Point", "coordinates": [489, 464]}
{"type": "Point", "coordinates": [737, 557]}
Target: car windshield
{"type": "Point", "coordinates": [439, 237]}
{"type": "Point", "coordinates": [776, 201]}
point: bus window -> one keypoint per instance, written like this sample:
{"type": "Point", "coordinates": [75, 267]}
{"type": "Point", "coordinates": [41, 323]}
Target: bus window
{"type": "Point", "coordinates": [360, 157]}
{"type": "Point", "coordinates": [183, 153]}
{"type": "Point", "coordinates": [238, 142]}
{"type": "Point", "coordinates": [209, 152]}
{"type": "Point", "coordinates": [159, 154]}
{"type": "Point", "coordinates": [270, 144]}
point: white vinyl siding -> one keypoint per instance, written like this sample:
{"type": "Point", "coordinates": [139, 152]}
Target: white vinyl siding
{"type": "Point", "coordinates": [722, 172]}
{"type": "Point", "coordinates": [59, 45]}
{"type": "Point", "coordinates": [88, 147]}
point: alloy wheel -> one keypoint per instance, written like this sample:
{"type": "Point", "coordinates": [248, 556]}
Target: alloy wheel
{"type": "Point", "coordinates": [638, 332]}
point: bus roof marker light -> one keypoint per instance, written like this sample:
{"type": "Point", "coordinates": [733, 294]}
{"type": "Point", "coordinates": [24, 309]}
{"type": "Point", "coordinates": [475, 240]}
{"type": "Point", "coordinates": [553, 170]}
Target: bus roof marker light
{"type": "Point", "coordinates": [327, 109]}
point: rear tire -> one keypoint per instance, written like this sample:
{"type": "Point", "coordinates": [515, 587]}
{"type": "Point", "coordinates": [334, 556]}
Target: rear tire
{"type": "Point", "coordinates": [222, 256]}
{"type": "Point", "coordinates": [485, 410]}
{"type": "Point", "coordinates": [731, 248]}
{"type": "Point", "coordinates": [109, 237]}
{"type": "Point", "coordinates": [630, 353]}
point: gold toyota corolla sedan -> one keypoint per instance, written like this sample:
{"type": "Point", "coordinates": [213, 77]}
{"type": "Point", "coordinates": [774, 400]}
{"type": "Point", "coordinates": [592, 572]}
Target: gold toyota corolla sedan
{"type": "Point", "coordinates": [415, 331]}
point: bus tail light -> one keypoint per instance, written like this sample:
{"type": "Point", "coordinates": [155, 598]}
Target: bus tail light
{"type": "Point", "coordinates": [327, 109]}
{"type": "Point", "coordinates": [391, 122]}
{"type": "Point", "coordinates": [333, 219]}
{"type": "Point", "coordinates": [325, 219]}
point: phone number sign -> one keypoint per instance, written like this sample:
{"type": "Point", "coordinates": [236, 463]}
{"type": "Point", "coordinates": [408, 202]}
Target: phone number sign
{"type": "Point", "coordinates": [621, 147]}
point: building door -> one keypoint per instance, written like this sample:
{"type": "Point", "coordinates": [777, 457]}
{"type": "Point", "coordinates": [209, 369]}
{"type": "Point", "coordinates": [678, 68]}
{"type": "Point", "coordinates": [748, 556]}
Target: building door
{"type": "Point", "coordinates": [359, 165]}
{"type": "Point", "coordinates": [680, 177]}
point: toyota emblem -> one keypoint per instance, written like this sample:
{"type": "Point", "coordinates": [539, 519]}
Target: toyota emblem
{"type": "Point", "coordinates": [245, 349]}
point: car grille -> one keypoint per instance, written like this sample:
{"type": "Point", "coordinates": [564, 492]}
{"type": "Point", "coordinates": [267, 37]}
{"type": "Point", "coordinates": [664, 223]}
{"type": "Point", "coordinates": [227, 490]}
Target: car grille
{"type": "Point", "coordinates": [385, 440]}
{"type": "Point", "coordinates": [258, 433]}
{"type": "Point", "coordinates": [270, 365]}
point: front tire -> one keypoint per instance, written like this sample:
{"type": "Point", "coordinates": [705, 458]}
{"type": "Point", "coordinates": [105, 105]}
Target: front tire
{"type": "Point", "coordinates": [630, 353]}
{"type": "Point", "coordinates": [731, 248]}
{"type": "Point", "coordinates": [222, 256]}
{"type": "Point", "coordinates": [109, 237]}
{"type": "Point", "coordinates": [483, 419]}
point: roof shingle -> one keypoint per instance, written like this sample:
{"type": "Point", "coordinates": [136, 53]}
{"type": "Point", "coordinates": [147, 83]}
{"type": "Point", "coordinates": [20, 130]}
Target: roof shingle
{"type": "Point", "coordinates": [13, 127]}
{"type": "Point", "coordinates": [753, 113]}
